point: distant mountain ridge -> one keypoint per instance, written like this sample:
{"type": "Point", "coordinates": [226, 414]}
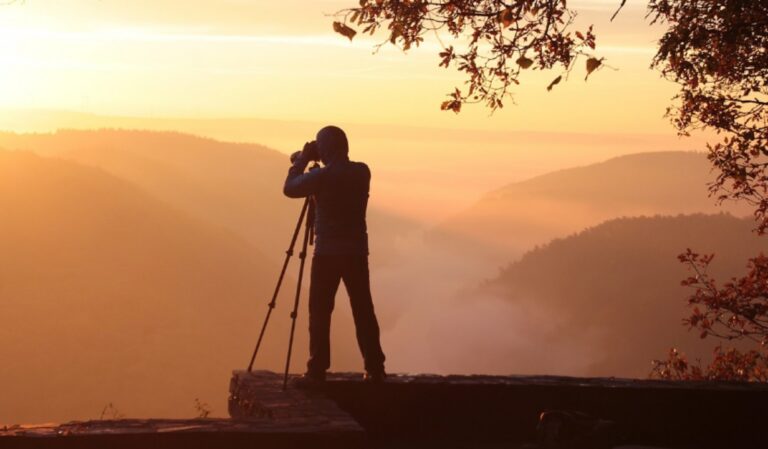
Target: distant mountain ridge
{"type": "Point", "coordinates": [234, 185]}
{"type": "Point", "coordinates": [614, 289]}
{"type": "Point", "coordinates": [522, 214]}
{"type": "Point", "coordinates": [238, 186]}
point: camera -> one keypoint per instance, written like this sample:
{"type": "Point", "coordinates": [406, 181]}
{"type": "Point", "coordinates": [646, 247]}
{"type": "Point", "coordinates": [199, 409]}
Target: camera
{"type": "Point", "coordinates": [310, 152]}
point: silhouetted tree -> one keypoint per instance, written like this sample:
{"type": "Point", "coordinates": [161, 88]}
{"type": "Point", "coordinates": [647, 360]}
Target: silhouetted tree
{"type": "Point", "coordinates": [504, 39]}
{"type": "Point", "coordinates": [716, 52]}
{"type": "Point", "coordinates": [737, 310]}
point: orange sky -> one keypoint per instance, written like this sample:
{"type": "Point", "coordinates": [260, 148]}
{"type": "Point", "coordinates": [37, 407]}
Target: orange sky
{"type": "Point", "coordinates": [234, 58]}
{"type": "Point", "coordinates": [153, 59]}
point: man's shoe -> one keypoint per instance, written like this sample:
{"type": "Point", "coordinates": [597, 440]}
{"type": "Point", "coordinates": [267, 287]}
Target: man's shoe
{"type": "Point", "coordinates": [374, 377]}
{"type": "Point", "coordinates": [309, 381]}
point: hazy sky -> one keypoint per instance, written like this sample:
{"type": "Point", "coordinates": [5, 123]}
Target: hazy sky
{"type": "Point", "coordinates": [267, 59]}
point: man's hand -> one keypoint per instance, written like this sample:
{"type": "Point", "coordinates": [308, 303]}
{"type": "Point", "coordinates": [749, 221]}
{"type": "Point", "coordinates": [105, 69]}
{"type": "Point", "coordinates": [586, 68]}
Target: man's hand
{"type": "Point", "coordinates": [299, 184]}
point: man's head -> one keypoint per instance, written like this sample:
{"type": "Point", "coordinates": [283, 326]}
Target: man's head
{"type": "Point", "coordinates": [332, 145]}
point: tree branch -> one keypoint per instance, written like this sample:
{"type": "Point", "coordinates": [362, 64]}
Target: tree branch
{"type": "Point", "coordinates": [623, 2]}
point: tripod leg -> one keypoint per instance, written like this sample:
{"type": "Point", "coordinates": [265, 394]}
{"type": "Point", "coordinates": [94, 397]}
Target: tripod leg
{"type": "Point", "coordinates": [303, 257]}
{"type": "Point", "coordinates": [272, 303]}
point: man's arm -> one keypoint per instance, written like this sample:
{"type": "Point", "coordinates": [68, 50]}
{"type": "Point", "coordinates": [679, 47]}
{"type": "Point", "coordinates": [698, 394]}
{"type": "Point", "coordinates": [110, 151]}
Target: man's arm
{"type": "Point", "coordinates": [299, 184]}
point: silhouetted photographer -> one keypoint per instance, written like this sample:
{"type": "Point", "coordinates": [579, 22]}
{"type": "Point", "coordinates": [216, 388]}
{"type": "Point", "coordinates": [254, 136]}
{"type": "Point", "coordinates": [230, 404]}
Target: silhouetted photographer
{"type": "Point", "coordinates": [339, 190]}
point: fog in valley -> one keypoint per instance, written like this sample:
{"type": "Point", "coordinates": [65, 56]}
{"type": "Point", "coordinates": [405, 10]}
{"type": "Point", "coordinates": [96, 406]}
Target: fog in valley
{"type": "Point", "coordinates": [138, 263]}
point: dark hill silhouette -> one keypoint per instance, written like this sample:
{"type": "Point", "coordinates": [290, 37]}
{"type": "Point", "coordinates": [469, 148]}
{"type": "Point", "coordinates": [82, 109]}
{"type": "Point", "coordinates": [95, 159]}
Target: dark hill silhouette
{"type": "Point", "coordinates": [109, 295]}
{"type": "Point", "coordinates": [522, 214]}
{"type": "Point", "coordinates": [235, 185]}
{"type": "Point", "coordinates": [613, 290]}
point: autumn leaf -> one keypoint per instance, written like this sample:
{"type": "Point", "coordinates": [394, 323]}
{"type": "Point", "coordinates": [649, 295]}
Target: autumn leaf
{"type": "Point", "coordinates": [344, 30]}
{"type": "Point", "coordinates": [451, 105]}
{"type": "Point", "coordinates": [447, 56]}
{"type": "Point", "coordinates": [506, 17]}
{"type": "Point", "coordinates": [524, 62]}
{"type": "Point", "coordinates": [554, 82]}
{"type": "Point", "coordinates": [592, 65]}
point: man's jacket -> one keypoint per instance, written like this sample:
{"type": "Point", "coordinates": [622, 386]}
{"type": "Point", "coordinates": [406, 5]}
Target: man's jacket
{"type": "Point", "coordinates": [340, 191]}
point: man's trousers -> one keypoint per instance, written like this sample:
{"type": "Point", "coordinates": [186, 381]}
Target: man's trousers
{"type": "Point", "coordinates": [327, 272]}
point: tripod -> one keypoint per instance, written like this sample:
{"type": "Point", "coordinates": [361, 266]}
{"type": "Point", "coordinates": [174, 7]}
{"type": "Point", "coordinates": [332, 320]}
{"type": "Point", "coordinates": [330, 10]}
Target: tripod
{"type": "Point", "coordinates": [308, 212]}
